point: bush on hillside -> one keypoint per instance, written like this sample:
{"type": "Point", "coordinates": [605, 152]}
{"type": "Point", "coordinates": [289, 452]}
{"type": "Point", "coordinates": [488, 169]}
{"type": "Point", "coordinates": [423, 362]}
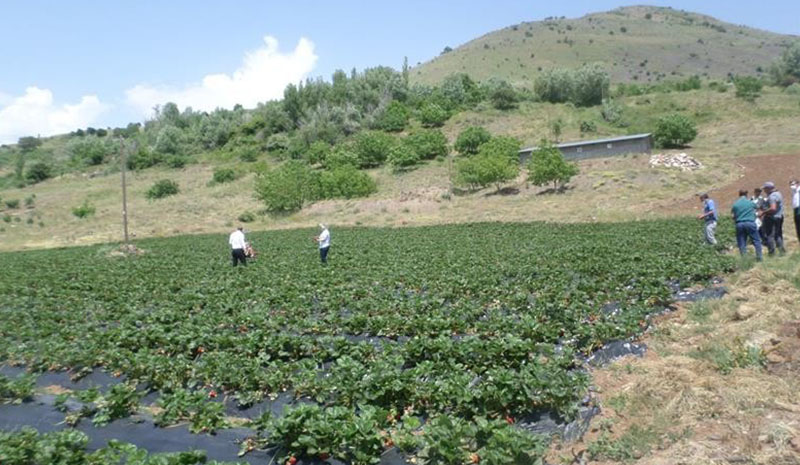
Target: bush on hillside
{"type": "Point", "coordinates": [402, 157]}
{"type": "Point", "coordinates": [317, 152]}
{"type": "Point", "coordinates": [340, 155]}
{"type": "Point", "coordinates": [394, 118]}
{"type": "Point", "coordinates": [748, 87]}
{"type": "Point", "coordinates": [288, 187]}
{"type": "Point", "coordinates": [223, 175]}
{"type": "Point", "coordinates": [38, 172]}
{"type": "Point", "coordinates": [470, 139]}
{"type": "Point", "coordinates": [12, 203]}
{"type": "Point", "coordinates": [84, 210]}
{"type": "Point", "coordinates": [547, 165]}
{"type": "Point", "coordinates": [674, 131]}
{"type": "Point", "coordinates": [345, 182]}
{"type": "Point", "coordinates": [162, 188]}
{"type": "Point", "coordinates": [176, 161]}
{"type": "Point", "coordinates": [372, 148]}
{"type": "Point", "coordinates": [501, 146]}
{"type": "Point", "coordinates": [247, 217]}
{"type": "Point", "coordinates": [503, 96]}
{"type": "Point", "coordinates": [786, 71]}
{"type": "Point", "coordinates": [492, 166]}
{"type": "Point", "coordinates": [247, 154]}
{"type": "Point", "coordinates": [585, 86]}
{"type": "Point", "coordinates": [611, 112]}
{"type": "Point", "coordinates": [432, 115]}
{"type": "Point", "coordinates": [588, 126]}
{"type": "Point", "coordinates": [169, 140]}
{"type": "Point", "coordinates": [277, 143]}
{"type": "Point", "coordinates": [88, 150]}
{"type": "Point", "coordinates": [427, 143]}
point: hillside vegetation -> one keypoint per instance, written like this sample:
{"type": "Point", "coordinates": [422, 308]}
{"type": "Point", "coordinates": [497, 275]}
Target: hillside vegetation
{"type": "Point", "coordinates": [638, 43]}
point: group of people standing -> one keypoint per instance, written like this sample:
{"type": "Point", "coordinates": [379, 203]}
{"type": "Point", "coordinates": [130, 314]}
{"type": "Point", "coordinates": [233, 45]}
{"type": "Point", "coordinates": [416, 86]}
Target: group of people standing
{"type": "Point", "coordinates": [758, 218]}
{"type": "Point", "coordinates": [241, 250]}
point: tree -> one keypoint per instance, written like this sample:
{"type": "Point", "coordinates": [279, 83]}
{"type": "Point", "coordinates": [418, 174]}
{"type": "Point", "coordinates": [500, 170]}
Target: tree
{"type": "Point", "coordinates": [394, 118]}
{"type": "Point", "coordinates": [501, 146]}
{"type": "Point", "coordinates": [169, 140]}
{"type": "Point", "coordinates": [504, 97]}
{"type": "Point", "coordinates": [372, 148]}
{"type": "Point", "coordinates": [483, 170]}
{"type": "Point", "coordinates": [345, 182]}
{"type": "Point", "coordinates": [402, 156]}
{"type": "Point", "coordinates": [427, 143]}
{"type": "Point", "coordinates": [585, 86]}
{"type": "Point", "coordinates": [38, 172]}
{"type": "Point", "coordinates": [470, 139]}
{"type": "Point", "coordinates": [748, 87]}
{"type": "Point", "coordinates": [547, 165]}
{"type": "Point", "coordinates": [675, 130]}
{"type": "Point", "coordinates": [288, 187]}
{"type": "Point", "coordinates": [28, 143]}
{"type": "Point", "coordinates": [432, 115]}
{"type": "Point", "coordinates": [88, 150]}
{"type": "Point", "coordinates": [787, 70]}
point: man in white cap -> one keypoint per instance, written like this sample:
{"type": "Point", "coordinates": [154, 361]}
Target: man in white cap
{"type": "Point", "coordinates": [772, 219]}
{"type": "Point", "coordinates": [324, 241]}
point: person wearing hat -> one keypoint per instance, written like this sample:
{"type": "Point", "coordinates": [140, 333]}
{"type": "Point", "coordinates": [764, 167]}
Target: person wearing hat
{"type": "Point", "coordinates": [710, 217]}
{"type": "Point", "coordinates": [744, 215]}
{"type": "Point", "coordinates": [772, 219]}
{"type": "Point", "coordinates": [238, 245]}
{"type": "Point", "coordinates": [324, 241]}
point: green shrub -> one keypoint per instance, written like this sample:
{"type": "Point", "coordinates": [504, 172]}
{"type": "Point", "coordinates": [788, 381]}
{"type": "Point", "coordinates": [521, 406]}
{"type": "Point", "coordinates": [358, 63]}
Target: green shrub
{"type": "Point", "coordinates": [547, 165]}
{"type": "Point", "coordinates": [38, 172]}
{"type": "Point", "coordinates": [29, 200]}
{"type": "Point", "coordinates": [7, 218]}
{"type": "Point", "coordinates": [402, 156]}
{"type": "Point", "coordinates": [144, 158]}
{"type": "Point", "coordinates": [169, 140]}
{"type": "Point", "coordinates": [501, 146]}
{"type": "Point", "coordinates": [83, 210]}
{"type": "Point", "coordinates": [345, 182]}
{"type": "Point", "coordinates": [588, 126]}
{"type": "Point", "coordinates": [277, 143]}
{"type": "Point", "coordinates": [340, 155]}
{"type": "Point", "coordinates": [484, 169]}
{"type": "Point", "coordinates": [317, 152]}
{"type": "Point", "coordinates": [504, 97]}
{"type": "Point", "coordinates": [432, 115]}
{"type": "Point", "coordinates": [372, 148]}
{"type": "Point", "coordinates": [748, 87]}
{"type": "Point", "coordinates": [584, 87]}
{"type": "Point", "coordinates": [470, 139]}
{"type": "Point", "coordinates": [288, 187]}
{"type": "Point", "coordinates": [611, 112]}
{"type": "Point", "coordinates": [793, 89]}
{"type": "Point", "coordinates": [12, 203]}
{"type": "Point", "coordinates": [175, 161]}
{"type": "Point", "coordinates": [162, 188]}
{"type": "Point", "coordinates": [88, 150]}
{"type": "Point", "coordinates": [427, 143]}
{"type": "Point", "coordinates": [395, 117]}
{"type": "Point", "coordinates": [223, 175]}
{"type": "Point", "coordinates": [247, 154]}
{"type": "Point", "coordinates": [247, 217]}
{"type": "Point", "coordinates": [674, 130]}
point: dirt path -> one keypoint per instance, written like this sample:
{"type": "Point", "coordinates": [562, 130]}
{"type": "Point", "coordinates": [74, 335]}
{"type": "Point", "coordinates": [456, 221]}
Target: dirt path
{"type": "Point", "coordinates": [779, 169]}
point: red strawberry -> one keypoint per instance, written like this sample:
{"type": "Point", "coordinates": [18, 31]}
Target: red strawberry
{"type": "Point", "coordinates": [292, 460]}
{"type": "Point", "coordinates": [509, 419]}
{"type": "Point", "coordinates": [324, 456]}
{"type": "Point", "coordinates": [474, 458]}
{"type": "Point", "coordinates": [212, 394]}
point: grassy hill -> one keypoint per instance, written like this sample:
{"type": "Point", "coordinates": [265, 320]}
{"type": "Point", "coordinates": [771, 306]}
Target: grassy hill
{"type": "Point", "coordinates": [637, 43]}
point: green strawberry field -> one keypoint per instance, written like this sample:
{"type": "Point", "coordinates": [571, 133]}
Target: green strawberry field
{"type": "Point", "coordinates": [433, 341]}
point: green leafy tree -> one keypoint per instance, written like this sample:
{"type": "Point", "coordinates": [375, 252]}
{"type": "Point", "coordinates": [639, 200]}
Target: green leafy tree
{"type": "Point", "coordinates": [395, 117]}
{"type": "Point", "coordinates": [674, 131]}
{"type": "Point", "coordinates": [501, 146]}
{"type": "Point", "coordinates": [590, 85]}
{"type": "Point", "coordinates": [427, 143]}
{"type": "Point", "coordinates": [787, 70]}
{"type": "Point", "coordinates": [504, 96]}
{"type": "Point", "coordinates": [317, 152]}
{"type": "Point", "coordinates": [29, 143]}
{"type": "Point", "coordinates": [144, 158]}
{"type": "Point", "coordinates": [470, 139]}
{"type": "Point", "coordinates": [169, 140]}
{"type": "Point", "coordinates": [341, 155]}
{"type": "Point", "coordinates": [547, 165]}
{"type": "Point", "coordinates": [88, 150]}
{"type": "Point", "coordinates": [346, 182]}
{"type": "Point", "coordinates": [402, 157]}
{"type": "Point", "coordinates": [38, 172]}
{"type": "Point", "coordinates": [496, 163]}
{"type": "Point", "coordinates": [748, 87]}
{"type": "Point", "coordinates": [372, 147]}
{"type": "Point", "coordinates": [433, 115]}
{"type": "Point", "coordinates": [288, 187]}
{"type": "Point", "coordinates": [162, 188]}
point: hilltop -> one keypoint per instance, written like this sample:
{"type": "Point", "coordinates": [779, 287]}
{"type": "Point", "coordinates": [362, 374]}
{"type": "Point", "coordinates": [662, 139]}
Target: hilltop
{"type": "Point", "coordinates": [637, 43]}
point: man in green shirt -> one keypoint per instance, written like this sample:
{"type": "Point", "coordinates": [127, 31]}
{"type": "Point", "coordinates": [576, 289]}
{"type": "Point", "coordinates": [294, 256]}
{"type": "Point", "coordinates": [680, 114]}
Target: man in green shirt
{"type": "Point", "coordinates": [744, 214]}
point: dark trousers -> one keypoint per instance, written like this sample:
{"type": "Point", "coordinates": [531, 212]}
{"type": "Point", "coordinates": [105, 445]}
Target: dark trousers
{"type": "Point", "coordinates": [797, 222]}
{"type": "Point", "coordinates": [323, 255]}
{"type": "Point", "coordinates": [238, 256]}
{"type": "Point", "coordinates": [773, 229]}
{"type": "Point", "coordinates": [744, 230]}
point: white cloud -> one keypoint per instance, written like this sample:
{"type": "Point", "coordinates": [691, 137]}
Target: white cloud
{"type": "Point", "coordinates": [35, 113]}
{"type": "Point", "coordinates": [263, 76]}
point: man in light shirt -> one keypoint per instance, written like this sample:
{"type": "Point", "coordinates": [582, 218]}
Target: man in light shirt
{"type": "Point", "coordinates": [772, 218]}
{"type": "Point", "coordinates": [709, 216]}
{"type": "Point", "coordinates": [324, 241]}
{"type": "Point", "coordinates": [795, 186]}
{"type": "Point", "coordinates": [238, 244]}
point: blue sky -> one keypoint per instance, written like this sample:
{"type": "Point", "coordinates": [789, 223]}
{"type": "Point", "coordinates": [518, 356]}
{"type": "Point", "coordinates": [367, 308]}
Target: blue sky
{"type": "Point", "coordinates": [78, 63]}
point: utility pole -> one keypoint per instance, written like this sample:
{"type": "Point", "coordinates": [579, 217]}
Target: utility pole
{"type": "Point", "coordinates": [124, 190]}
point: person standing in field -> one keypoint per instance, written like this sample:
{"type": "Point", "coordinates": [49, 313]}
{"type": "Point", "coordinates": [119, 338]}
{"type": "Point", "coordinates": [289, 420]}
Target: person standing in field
{"type": "Point", "coordinates": [795, 187]}
{"type": "Point", "coordinates": [772, 219]}
{"type": "Point", "coordinates": [238, 244]}
{"type": "Point", "coordinates": [324, 241]}
{"type": "Point", "coordinates": [761, 204]}
{"type": "Point", "coordinates": [710, 217]}
{"type": "Point", "coordinates": [744, 215]}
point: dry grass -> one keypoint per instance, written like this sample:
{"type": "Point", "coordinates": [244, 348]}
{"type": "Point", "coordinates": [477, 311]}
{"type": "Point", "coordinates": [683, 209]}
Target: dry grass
{"type": "Point", "coordinates": [679, 405]}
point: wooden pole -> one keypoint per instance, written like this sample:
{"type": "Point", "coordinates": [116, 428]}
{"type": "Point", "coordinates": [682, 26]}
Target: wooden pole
{"type": "Point", "coordinates": [124, 190]}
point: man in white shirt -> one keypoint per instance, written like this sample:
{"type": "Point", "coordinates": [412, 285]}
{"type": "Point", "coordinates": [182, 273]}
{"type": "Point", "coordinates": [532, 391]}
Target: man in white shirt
{"type": "Point", "coordinates": [237, 242]}
{"type": "Point", "coordinates": [324, 241]}
{"type": "Point", "coordinates": [795, 187]}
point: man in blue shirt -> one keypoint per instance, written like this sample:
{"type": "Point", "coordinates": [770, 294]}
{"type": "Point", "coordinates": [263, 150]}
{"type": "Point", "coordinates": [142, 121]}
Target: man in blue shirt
{"type": "Point", "coordinates": [710, 217]}
{"type": "Point", "coordinates": [744, 215]}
